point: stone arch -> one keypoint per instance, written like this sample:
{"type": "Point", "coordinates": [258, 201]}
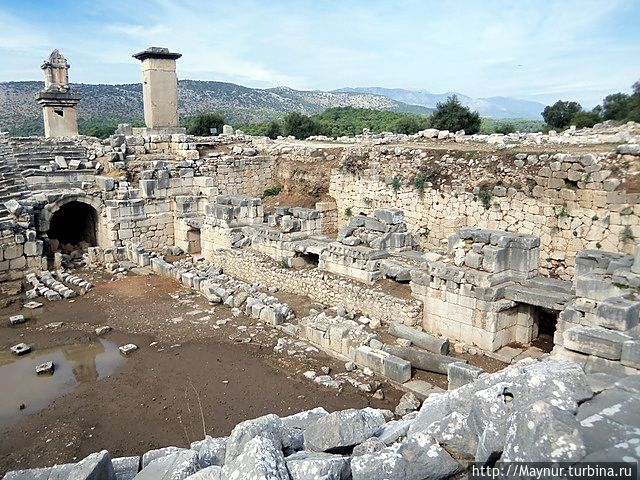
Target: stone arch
{"type": "Point", "coordinates": [74, 218]}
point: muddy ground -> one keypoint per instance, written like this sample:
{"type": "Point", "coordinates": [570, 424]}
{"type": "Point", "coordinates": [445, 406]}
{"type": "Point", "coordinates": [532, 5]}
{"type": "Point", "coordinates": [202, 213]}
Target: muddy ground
{"type": "Point", "coordinates": [152, 400]}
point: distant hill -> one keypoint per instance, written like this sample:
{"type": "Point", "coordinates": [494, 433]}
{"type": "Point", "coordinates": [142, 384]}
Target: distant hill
{"type": "Point", "coordinates": [494, 107]}
{"type": "Point", "coordinates": [19, 111]}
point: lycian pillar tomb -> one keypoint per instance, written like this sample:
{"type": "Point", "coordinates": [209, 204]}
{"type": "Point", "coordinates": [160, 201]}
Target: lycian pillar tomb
{"type": "Point", "coordinates": [57, 99]}
{"type": "Point", "coordinates": [160, 89]}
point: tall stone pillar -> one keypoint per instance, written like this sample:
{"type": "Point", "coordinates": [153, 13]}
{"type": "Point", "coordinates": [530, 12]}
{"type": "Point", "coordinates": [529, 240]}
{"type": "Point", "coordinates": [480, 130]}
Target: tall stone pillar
{"type": "Point", "coordinates": [159, 88]}
{"type": "Point", "coordinates": [57, 99]}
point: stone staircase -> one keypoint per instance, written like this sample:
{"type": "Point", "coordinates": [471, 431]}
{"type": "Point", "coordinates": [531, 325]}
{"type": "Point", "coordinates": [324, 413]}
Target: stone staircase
{"type": "Point", "coordinates": [32, 152]}
{"type": "Point", "coordinates": [12, 184]}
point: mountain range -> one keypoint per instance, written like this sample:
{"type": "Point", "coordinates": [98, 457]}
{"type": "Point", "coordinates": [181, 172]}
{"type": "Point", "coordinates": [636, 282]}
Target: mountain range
{"type": "Point", "coordinates": [494, 107]}
{"type": "Point", "coordinates": [20, 114]}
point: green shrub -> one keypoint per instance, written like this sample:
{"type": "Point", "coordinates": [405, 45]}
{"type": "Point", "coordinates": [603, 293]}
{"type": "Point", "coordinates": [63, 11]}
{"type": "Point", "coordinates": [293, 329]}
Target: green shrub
{"type": "Point", "coordinates": [584, 119]}
{"type": "Point", "coordinates": [627, 235]}
{"type": "Point", "coordinates": [453, 116]}
{"type": "Point", "coordinates": [202, 124]}
{"type": "Point", "coordinates": [348, 212]}
{"type": "Point", "coordinates": [485, 196]}
{"type": "Point", "coordinates": [505, 128]}
{"type": "Point", "coordinates": [396, 183]}
{"type": "Point", "coordinates": [284, 263]}
{"type": "Point", "coordinates": [272, 191]}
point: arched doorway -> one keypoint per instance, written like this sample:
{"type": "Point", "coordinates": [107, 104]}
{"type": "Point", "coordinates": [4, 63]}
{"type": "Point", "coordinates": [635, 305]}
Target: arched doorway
{"type": "Point", "coordinates": [73, 226]}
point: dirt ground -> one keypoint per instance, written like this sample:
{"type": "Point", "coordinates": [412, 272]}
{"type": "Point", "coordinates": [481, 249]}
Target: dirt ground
{"type": "Point", "coordinates": [184, 359]}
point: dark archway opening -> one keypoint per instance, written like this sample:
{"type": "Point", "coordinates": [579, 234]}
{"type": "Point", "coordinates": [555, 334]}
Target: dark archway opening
{"type": "Point", "coordinates": [545, 320]}
{"type": "Point", "coordinates": [73, 227]}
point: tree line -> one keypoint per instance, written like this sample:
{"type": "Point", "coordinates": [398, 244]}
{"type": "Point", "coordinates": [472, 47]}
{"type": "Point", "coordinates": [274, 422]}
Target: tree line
{"type": "Point", "coordinates": [617, 106]}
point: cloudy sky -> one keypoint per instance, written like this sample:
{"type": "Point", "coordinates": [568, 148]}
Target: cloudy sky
{"type": "Point", "coordinates": [538, 50]}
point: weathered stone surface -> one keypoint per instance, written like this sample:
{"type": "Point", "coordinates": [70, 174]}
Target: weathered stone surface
{"type": "Point", "coordinates": [454, 431]}
{"type": "Point", "coordinates": [304, 419]}
{"type": "Point", "coordinates": [419, 458]}
{"type": "Point", "coordinates": [159, 453]}
{"type": "Point", "coordinates": [175, 466]}
{"type": "Point", "coordinates": [543, 433]}
{"type": "Point", "coordinates": [126, 468]}
{"type": "Point", "coordinates": [618, 313]}
{"type": "Point", "coordinates": [211, 451]}
{"type": "Point", "coordinates": [268, 427]}
{"type": "Point", "coordinates": [260, 459]}
{"type": "Point", "coordinates": [461, 373]}
{"type": "Point", "coordinates": [209, 473]}
{"type": "Point", "coordinates": [595, 341]}
{"type": "Point", "coordinates": [370, 445]}
{"type": "Point", "coordinates": [342, 429]}
{"type": "Point", "coordinates": [305, 465]}
{"type": "Point", "coordinates": [96, 466]}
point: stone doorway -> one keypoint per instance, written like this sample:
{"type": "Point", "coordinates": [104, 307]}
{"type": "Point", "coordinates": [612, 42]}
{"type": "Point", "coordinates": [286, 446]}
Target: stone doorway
{"type": "Point", "coordinates": [544, 327]}
{"type": "Point", "coordinates": [194, 244]}
{"type": "Point", "coordinates": [73, 226]}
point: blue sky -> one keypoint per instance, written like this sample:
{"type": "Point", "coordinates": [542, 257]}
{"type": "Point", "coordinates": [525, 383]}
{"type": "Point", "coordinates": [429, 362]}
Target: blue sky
{"type": "Point", "coordinates": [538, 50]}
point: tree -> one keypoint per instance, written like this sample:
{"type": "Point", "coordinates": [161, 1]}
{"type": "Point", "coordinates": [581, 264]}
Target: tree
{"type": "Point", "coordinates": [300, 126]}
{"type": "Point", "coordinates": [410, 124]}
{"type": "Point", "coordinates": [616, 106]}
{"type": "Point", "coordinates": [453, 116]}
{"type": "Point", "coordinates": [584, 119]}
{"type": "Point", "coordinates": [202, 124]}
{"type": "Point", "coordinates": [274, 129]}
{"type": "Point", "coordinates": [559, 114]}
{"type": "Point", "coordinates": [634, 103]}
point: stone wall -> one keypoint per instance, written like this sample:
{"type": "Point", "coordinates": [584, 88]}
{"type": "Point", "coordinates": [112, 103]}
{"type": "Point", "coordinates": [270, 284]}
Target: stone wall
{"type": "Point", "coordinates": [572, 202]}
{"type": "Point", "coordinates": [321, 287]}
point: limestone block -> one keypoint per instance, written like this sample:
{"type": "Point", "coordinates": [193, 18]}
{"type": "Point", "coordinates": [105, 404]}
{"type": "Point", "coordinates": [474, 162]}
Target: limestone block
{"type": "Point", "coordinates": [461, 373]}
{"type": "Point", "coordinates": [595, 341]}
{"type": "Point", "coordinates": [631, 353]}
{"type": "Point", "coordinates": [618, 313]}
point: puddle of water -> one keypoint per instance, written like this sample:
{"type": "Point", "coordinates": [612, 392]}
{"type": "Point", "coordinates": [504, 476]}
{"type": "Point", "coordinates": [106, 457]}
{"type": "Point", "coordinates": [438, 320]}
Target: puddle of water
{"type": "Point", "coordinates": [74, 364]}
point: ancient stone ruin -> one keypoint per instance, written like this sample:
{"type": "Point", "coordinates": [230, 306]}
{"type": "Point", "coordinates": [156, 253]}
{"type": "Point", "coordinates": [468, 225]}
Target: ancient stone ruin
{"type": "Point", "coordinates": [521, 248]}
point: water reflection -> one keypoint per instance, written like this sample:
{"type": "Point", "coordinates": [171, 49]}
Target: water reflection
{"type": "Point", "coordinates": [74, 364]}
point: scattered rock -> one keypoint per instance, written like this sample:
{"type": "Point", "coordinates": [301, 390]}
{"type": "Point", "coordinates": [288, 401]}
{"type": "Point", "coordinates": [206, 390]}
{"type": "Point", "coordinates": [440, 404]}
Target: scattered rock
{"type": "Point", "coordinates": [128, 348]}
{"type": "Point", "coordinates": [45, 368]}
{"type": "Point", "coordinates": [21, 349]}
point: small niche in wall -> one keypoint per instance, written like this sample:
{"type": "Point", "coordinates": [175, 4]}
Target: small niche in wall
{"type": "Point", "coordinates": [59, 112]}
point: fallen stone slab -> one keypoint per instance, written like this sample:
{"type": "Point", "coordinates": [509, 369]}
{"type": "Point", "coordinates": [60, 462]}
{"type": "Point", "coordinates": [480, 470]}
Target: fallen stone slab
{"type": "Point", "coordinates": [175, 466]}
{"type": "Point", "coordinates": [461, 373]}
{"type": "Point", "coordinates": [17, 319]}
{"type": "Point", "coordinates": [408, 403]}
{"type": "Point", "coordinates": [543, 433]}
{"type": "Point", "coordinates": [307, 465]}
{"type": "Point", "coordinates": [260, 459]}
{"type": "Point", "coordinates": [418, 458]}
{"type": "Point", "coordinates": [595, 341]}
{"type": "Point", "coordinates": [54, 325]}
{"type": "Point", "coordinates": [96, 466]}
{"type": "Point", "coordinates": [209, 473]}
{"type": "Point", "coordinates": [269, 427]}
{"type": "Point", "coordinates": [45, 368]}
{"type": "Point", "coordinates": [422, 360]}
{"type": "Point", "coordinates": [21, 349]}
{"type": "Point", "coordinates": [305, 419]}
{"type": "Point", "coordinates": [424, 340]}
{"type": "Point", "coordinates": [128, 348]}
{"type": "Point", "coordinates": [32, 305]}
{"type": "Point", "coordinates": [342, 429]}
{"type": "Point", "coordinates": [126, 468]}
{"type": "Point", "coordinates": [211, 451]}
{"type": "Point", "coordinates": [152, 455]}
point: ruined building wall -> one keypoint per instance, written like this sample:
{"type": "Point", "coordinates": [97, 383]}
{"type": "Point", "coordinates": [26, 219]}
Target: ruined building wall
{"type": "Point", "coordinates": [572, 202]}
{"type": "Point", "coordinates": [321, 287]}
